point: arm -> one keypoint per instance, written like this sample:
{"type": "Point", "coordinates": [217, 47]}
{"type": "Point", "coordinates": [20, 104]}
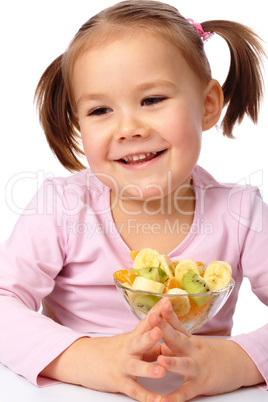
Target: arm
{"type": "Point", "coordinates": [254, 261]}
{"type": "Point", "coordinates": [29, 262]}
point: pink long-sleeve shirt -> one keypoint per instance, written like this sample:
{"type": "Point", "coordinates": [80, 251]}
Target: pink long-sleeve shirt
{"type": "Point", "coordinates": [65, 248]}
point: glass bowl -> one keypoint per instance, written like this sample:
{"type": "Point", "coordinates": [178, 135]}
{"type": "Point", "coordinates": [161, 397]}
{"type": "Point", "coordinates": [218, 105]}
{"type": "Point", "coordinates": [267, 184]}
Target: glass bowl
{"type": "Point", "coordinates": [201, 307]}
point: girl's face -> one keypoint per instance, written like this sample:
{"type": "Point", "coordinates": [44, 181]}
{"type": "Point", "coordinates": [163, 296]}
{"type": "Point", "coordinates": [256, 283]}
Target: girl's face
{"type": "Point", "coordinates": [140, 110]}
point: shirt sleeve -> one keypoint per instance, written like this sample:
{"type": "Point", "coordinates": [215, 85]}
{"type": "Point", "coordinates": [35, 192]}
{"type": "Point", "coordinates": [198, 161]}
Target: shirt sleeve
{"type": "Point", "coordinates": [253, 237]}
{"type": "Point", "coordinates": [29, 262]}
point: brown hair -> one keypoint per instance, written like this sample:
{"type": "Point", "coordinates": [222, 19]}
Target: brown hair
{"type": "Point", "coordinates": [243, 88]}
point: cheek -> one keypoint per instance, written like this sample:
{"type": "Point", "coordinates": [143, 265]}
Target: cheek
{"type": "Point", "coordinates": [86, 140]}
{"type": "Point", "coordinates": [91, 148]}
{"type": "Point", "coordinates": [183, 124]}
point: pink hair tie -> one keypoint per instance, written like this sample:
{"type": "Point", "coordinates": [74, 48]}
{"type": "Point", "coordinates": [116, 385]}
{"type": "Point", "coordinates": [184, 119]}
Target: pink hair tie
{"type": "Point", "coordinates": [203, 35]}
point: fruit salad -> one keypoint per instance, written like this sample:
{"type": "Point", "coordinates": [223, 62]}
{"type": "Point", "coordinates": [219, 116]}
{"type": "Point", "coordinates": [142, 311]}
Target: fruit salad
{"type": "Point", "coordinates": [190, 280]}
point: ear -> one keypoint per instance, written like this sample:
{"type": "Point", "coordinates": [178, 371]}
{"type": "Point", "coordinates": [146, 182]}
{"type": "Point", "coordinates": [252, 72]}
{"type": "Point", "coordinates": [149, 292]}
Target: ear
{"type": "Point", "coordinates": [213, 104]}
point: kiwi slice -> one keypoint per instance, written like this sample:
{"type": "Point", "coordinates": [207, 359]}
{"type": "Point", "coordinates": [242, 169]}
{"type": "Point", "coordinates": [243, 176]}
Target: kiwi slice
{"type": "Point", "coordinates": [194, 283]}
{"type": "Point", "coordinates": [154, 273]}
{"type": "Point", "coordinates": [146, 302]}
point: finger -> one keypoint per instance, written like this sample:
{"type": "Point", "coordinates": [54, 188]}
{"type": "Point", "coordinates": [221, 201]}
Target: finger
{"type": "Point", "coordinates": [174, 340]}
{"type": "Point", "coordinates": [157, 307]}
{"type": "Point", "coordinates": [144, 343]}
{"type": "Point", "coordinates": [152, 354]}
{"type": "Point", "coordinates": [186, 366]}
{"type": "Point", "coordinates": [144, 325]}
{"type": "Point", "coordinates": [167, 329]}
{"type": "Point", "coordinates": [139, 368]}
{"type": "Point", "coordinates": [169, 315]}
{"type": "Point", "coordinates": [154, 320]}
{"type": "Point", "coordinates": [137, 392]}
{"type": "Point", "coordinates": [185, 393]}
{"type": "Point", "coordinates": [165, 350]}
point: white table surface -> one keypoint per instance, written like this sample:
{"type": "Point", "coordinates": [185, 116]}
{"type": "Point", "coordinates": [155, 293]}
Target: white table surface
{"type": "Point", "coordinates": [14, 388]}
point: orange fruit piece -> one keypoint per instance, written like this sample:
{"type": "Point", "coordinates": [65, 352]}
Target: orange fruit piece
{"type": "Point", "coordinates": [201, 267]}
{"type": "Point", "coordinates": [125, 275]}
{"type": "Point", "coordinates": [195, 311]}
{"type": "Point", "coordinates": [170, 283]}
{"type": "Point", "coordinates": [133, 254]}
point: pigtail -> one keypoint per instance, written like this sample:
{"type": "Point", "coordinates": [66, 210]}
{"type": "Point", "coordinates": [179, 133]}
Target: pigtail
{"type": "Point", "coordinates": [243, 88]}
{"type": "Point", "coordinates": [57, 118]}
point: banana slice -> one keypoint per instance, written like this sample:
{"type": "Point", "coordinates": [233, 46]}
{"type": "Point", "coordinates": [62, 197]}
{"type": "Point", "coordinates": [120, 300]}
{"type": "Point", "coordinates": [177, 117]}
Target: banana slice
{"type": "Point", "coordinates": [181, 305]}
{"type": "Point", "coordinates": [166, 264]}
{"type": "Point", "coordinates": [183, 267]}
{"type": "Point", "coordinates": [218, 274]}
{"type": "Point", "coordinates": [147, 257]}
{"type": "Point", "coordinates": [147, 285]}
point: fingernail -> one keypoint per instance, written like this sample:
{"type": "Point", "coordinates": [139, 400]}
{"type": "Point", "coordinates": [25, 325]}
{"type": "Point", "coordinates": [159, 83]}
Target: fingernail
{"type": "Point", "coordinates": [157, 370]}
{"type": "Point", "coordinates": [158, 398]}
{"type": "Point", "coordinates": [170, 306]}
{"type": "Point", "coordinates": [167, 360]}
{"type": "Point", "coordinates": [170, 309]}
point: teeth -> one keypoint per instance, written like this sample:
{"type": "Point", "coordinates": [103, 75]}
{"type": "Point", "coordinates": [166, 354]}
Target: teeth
{"type": "Point", "coordinates": [138, 157]}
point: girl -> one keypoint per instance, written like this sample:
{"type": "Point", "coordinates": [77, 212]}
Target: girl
{"type": "Point", "coordinates": [136, 85]}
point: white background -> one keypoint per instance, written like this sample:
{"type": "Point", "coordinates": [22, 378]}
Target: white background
{"type": "Point", "coordinates": [33, 33]}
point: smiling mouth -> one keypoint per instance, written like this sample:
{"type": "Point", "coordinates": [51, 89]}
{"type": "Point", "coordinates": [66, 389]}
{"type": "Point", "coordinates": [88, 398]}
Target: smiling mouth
{"type": "Point", "coordinates": [140, 158]}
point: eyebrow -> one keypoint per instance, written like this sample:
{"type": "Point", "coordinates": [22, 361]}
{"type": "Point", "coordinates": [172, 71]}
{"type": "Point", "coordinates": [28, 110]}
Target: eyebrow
{"type": "Point", "coordinates": [155, 84]}
{"type": "Point", "coordinates": [141, 87]}
{"type": "Point", "coordinates": [93, 96]}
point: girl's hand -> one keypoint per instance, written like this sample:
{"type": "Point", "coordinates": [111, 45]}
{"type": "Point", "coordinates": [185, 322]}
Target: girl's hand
{"type": "Point", "coordinates": [210, 366]}
{"type": "Point", "coordinates": [112, 364]}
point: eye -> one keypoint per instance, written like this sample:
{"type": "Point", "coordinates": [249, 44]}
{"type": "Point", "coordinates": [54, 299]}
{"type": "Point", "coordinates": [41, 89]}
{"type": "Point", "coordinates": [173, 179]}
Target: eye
{"type": "Point", "coordinates": [152, 100]}
{"type": "Point", "coordinates": [99, 111]}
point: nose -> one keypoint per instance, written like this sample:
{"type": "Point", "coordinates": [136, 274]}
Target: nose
{"type": "Point", "coordinates": [131, 128]}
